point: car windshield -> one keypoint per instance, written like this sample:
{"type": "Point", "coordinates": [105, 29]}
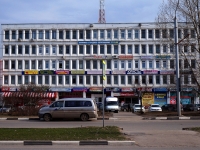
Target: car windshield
{"type": "Point", "coordinates": [112, 103]}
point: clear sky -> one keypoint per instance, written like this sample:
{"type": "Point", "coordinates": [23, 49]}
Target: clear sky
{"type": "Point", "coordinates": [77, 11]}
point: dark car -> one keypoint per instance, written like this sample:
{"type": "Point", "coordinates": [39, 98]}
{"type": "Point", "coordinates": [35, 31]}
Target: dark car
{"type": "Point", "coordinates": [124, 107]}
{"type": "Point", "coordinates": [188, 107]}
{"type": "Point", "coordinates": [169, 107]}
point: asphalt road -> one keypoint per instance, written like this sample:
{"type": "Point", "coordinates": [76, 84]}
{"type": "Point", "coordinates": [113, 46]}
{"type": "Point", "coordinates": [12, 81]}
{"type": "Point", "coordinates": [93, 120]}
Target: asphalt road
{"type": "Point", "coordinates": [148, 134]}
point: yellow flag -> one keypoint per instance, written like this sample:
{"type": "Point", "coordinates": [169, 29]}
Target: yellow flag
{"type": "Point", "coordinates": [104, 62]}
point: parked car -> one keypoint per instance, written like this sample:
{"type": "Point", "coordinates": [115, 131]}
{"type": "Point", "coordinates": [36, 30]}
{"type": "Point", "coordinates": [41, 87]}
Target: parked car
{"type": "Point", "coordinates": [169, 107]}
{"type": "Point", "coordinates": [5, 108]}
{"type": "Point", "coordinates": [188, 107]}
{"type": "Point", "coordinates": [197, 107]}
{"type": "Point", "coordinates": [137, 108]}
{"type": "Point", "coordinates": [155, 107]}
{"type": "Point", "coordinates": [124, 107]}
{"type": "Point", "coordinates": [99, 105]}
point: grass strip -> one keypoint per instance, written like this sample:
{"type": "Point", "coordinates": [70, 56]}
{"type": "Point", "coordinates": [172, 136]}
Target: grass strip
{"type": "Point", "coordinates": [62, 134]}
{"type": "Point", "coordinates": [197, 129]}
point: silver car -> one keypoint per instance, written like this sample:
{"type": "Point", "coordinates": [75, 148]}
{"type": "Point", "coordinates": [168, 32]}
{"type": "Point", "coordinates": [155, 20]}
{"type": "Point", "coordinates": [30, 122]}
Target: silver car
{"type": "Point", "coordinates": [83, 108]}
{"type": "Point", "coordinates": [137, 108]}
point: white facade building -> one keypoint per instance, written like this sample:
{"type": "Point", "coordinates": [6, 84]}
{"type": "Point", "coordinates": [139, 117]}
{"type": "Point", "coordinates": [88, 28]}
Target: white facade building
{"type": "Point", "coordinates": [68, 58]}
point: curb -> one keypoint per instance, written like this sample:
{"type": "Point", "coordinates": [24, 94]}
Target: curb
{"type": "Point", "coordinates": [75, 143]}
{"type": "Point", "coordinates": [172, 118]}
{"type": "Point", "coordinates": [100, 118]}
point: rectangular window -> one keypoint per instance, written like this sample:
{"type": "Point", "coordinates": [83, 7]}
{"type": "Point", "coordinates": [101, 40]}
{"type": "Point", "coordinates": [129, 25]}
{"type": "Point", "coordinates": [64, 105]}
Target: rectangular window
{"type": "Point", "coordinates": [171, 79]}
{"type": "Point", "coordinates": [129, 64]}
{"type": "Point", "coordinates": [101, 49]}
{"type": "Point", "coordinates": [171, 48]}
{"type": "Point", "coordinates": [192, 33]}
{"type": "Point", "coordinates": [185, 48]}
{"type": "Point", "coordinates": [67, 79]}
{"type": "Point", "coordinates": [157, 33]}
{"type": "Point", "coordinates": [108, 34]}
{"type": "Point", "coordinates": [26, 34]}
{"type": "Point", "coordinates": [53, 64]}
{"type": "Point", "coordinates": [108, 49]}
{"type": "Point", "coordinates": [33, 34]}
{"type": "Point", "coordinates": [19, 64]}
{"type": "Point", "coordinates": [46, 34]}
{"type": "Point", "coordinates": [74, 49]}
{"type": "Point", "coordinates": [6, 49]}
{"type": "Point", "coordinates": [157, 79]}
{"type": "Point", "coordinates": [13, 50]}
{"type": "Point", "coordinates": [122, 34]}
{"type": "Point", "coordinates": [150, 64]}
{"type": "Point", "coordinates": [19, 79]}
{"type": "Point", "coordinates": [87, 49]}
{"type": "Point", "coordinates": [40, 34]}
{"type": "Point", "coordinates": [164, 79]}
{"type": "Point", "coordinates": [20, 49]}
{"type": "Point", "coordinates": [157, 64]}
{"type": "Point", "coordinates": [94, 79]}
{"type": "Point", "coordinates": [102, 34]}
{"type": "Point", "coordinates": [67, 49]}
{"type": "Point", "coordinates": [67, 64]}
{"type": "Point", "coordinates": [136, 49]}
{"type": "Point", "coordinates": [13, 35]}
{"type": "Point", "coordinates": [164, 64]}
{"type": "Point", "coordinates": [193, 63]}
{"type": "Point", "coordinates": [186, 81]}
{"type": "Point", "coordinates": [94, 64]}
{"type": "Point", "coordinates": [164, 48]}
{"type": "Point", "coordinates": [108, 79]}
{"type": "Point", "coordinates": [87, 34]}
{"type": "Point", "coordinates": [87, 64]}
{"type": "Point", "coordinates": [73, 64]}
{"type": "Point", "coordinates": [179, 34]}
{"type": "Point", "coordinates": [143, 64]}
{"type": "Point", "coordinates": [54, 50]}
{"type": "Point", "coordinates": [26, 64]}
{"type": "Point", "coordinates": [67, 36]}
{"type": "Point", "coordinates": [150, 79]}
{"type": "Point", "coordinates": [143, 79]}
{"type": "Point", "coordinates": [95, 34]}
{"type": "Point", "coordinates": [136, 64]}
{"type": "Point", "coordinates": [150, 49]}
{"type": "Point", "coordinates": [157, 49]}
{"type": "Point", "coordinates": [122, 79]}
{"type": "Point", "coordinates": [32, 79]}
{"type": "Point", "coordinates": [164, 33]}
{"type": "Point", "coordinates": [115, 49]}
{"type": "Point", "coordinates": [143, 34]}
{"type": "Point", "coordinates": [186, 65]}
{"type": "Point", "coordinates": [136, 34]}
{"type": "Point", "coordinates": [150, 32]}
{"type": "Point", "coordinates": [80, 64]}
{"type": "Point", "coordinates": [60, 64]}
{"type": "Point", "coordinates": [193, 48]}
{"type": "Point", "coordinates": [60, 79]}
{"type": "Point", "coordinates": [122, 49]}
{"type": "Point", "coordinates": [136, 79]}
{"type": "Point", "coordinates": [80, 34]}
{"type": "Point", "coordinates": [129, 79]}
{"type": "Point", "coordinates": [60, 34]}
{"type": "Point", "coordinates": [80, 49]}
{"type": "Point", "coordinates": [47, 49]}
{"type": "Point", "coordinates": [94, 49]}
{"type": "Point", "coordinates": [53, 34]}
{"type": "Point", "coordinates": [143, 49]}
{"type": "Point", "coordinates": [5, 79]}
{"type": "Point", "coordinates": [115, 64]}
{"type": "Point", "coordinates": [40, 49]}
{"type": "Point", "coordinates": [33, 64]}
{"type": "Point", "coordinates": [87, 79]}
{"type": "Point", "coordinates": [80, 79]}
{"type": "Point", "coordinates": [33, 49]}
{"type": "Point", "coordinates": [115, 79]}
{"type": "Point", "coordinates": [115, 34]}
{"type": "Point", "coordinates": [20, 34]}
{"type": "Point", "coordinates": [46, 64]}
{"type": "Point", "coordinates": [108, 64]}
{"type": "Point", "coordinates": [26, 80]}
{"type": "Point", "coordinates": [171, 33]}
{"type": "Point", "coordinates": [46, 79]}
{"type": "Point", "coordinates": [130, 49]}
{"type": "Point", "coordinates": [39, 79]}
{"type": "Point", "coordinates": [53, 80]}
{"type": "Point", "coordinates": [122, 64]}
{"type": "Point", "coordinates": [60, 49]}
{"type": "Point", "coordinates": [13, 64]}
{"type": "Point", "coordinates": [129, 34]}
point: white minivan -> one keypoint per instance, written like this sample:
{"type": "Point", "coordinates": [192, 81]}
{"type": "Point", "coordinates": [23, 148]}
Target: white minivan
{"type": "Point", "coordinates": [111, 104]}
{"type": "Point", "coordinates": [83, 108]}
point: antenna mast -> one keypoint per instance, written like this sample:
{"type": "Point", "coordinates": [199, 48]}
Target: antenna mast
{"type": "Point", "coordinates": [102, 12]}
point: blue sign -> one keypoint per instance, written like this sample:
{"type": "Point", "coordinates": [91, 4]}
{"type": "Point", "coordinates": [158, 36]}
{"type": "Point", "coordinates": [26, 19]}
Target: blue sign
{"type": "Point", "coordinates": [160, 89]}
{"type": "Point", "coordinates": [160, 98]}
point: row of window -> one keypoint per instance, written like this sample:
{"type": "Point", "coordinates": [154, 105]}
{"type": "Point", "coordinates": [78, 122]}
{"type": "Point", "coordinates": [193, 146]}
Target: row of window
{"type": "Point", "coordinates": [93, 49]}
{"type": "Point", "coordinates": [72, 80]}
{"type": "Point", "coordinates": [96, 34]}
{"type": "Point", "coordinates": [96, 64]}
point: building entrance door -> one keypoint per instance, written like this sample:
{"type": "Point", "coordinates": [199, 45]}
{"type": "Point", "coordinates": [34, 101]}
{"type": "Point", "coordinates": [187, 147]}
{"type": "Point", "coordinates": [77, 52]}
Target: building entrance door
{"type": "Point", "coordinates": [97, 97]}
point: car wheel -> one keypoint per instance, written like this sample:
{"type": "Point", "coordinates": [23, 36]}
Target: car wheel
{"type": "Point", "coordinates": [84, 117]}
{"type": "Point", "coordinates": [47, 117]}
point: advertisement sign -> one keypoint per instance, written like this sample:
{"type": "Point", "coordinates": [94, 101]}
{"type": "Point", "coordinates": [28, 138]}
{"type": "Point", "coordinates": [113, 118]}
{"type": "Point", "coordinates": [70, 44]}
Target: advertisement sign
{"type": "Point", "coordinates": [145, 89]}
{"type": "Point", "coordinates": [150, 71]}
{"type": "Point", "coordinates": [60, 89]}
{"type": "Point", "coordinates": [98, 42]}
{"type": "Point", "coordinates": [77, 71]}
{"type": "Point", "coordinates": [31, 72]}
{"type": "Point", "coordinates": [116, 89]}
{"type": "Point", "coordinates": [93, 57]}
{"type": "Point", "coordinates": [163, 57]}
{"type": "Point", "coordinates": [95, 89]}
{"type": "Point", "coordinates": [167, 72]}
{"type": "Point", "coordinates": [118, 72]}
{"type": "Point", "coordinates": [97, 72]}
{"type": "Point", "coordinates": [160, 98]}
{"type": "Point", "coordinates": [133, 72]}
{"type": "Point", "coordinates": [79, 89]}
{"type": "Point", "coordinates": [46, 72]}
{"type": "Point", "coordinates": [184, 100]}
{"type": "Point", "coordinates": [62, 71]}
{"type": "Point", "coordinates": [160, 90]}
{"type": "Point", "coordinates": [147, 57]}
{"type": "Point", "coordinates": [5, 88]}
{"type": "Point", "coordinates": [128, 94]}
{"type": "Point", "coordinates": [126, 89]}
{"type": "Point", "coordinates": [125, 57]}
{"type": "Point", "coordinates": [147, 99]}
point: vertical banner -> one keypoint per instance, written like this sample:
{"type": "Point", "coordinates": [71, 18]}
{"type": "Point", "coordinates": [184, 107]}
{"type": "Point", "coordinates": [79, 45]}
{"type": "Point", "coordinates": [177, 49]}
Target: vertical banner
{"type": "Point", "coordinates": [104, 69]}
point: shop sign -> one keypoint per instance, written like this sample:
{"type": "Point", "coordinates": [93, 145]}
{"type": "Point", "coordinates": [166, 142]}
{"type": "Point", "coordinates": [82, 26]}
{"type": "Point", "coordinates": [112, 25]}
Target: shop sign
{"type": "Point", "coordinates": [133, 72]}
{"type": "Point", "coordinates": [13, 89]}
{"type": "Point", "coordinates": [4, 88]}
{"type": "Point", "coordinates": [96, 89]}
{"type": "Point", "coordinates": [116, 89]}
{"type": "Point", "coordinates": [160, 95]}
{"type": "Point", "coordinates": [187, 89]}
{"type": "Point", "coordinates": [93, 57]}
{"type": "Point", "coordinates": [119, 72]}
{"type": "Point", "coordinates": [46, 72]}
{"type": "Point", "coordinates": [60, 89]}
{"type": "Point", "coordinates": [150, 71]}
{"type": "Point", "coordinates": [62, 71]}
{"type": "Point", "coordinates": [97, 72]}
{"type": "Point", "coordinates": [163, 57]}
{"type": "Point", "coordinates": [31, 72]}
{"type": "Point", "coordinates": [160, 89]}
{"type": "Point", "coordinates": [126, 89]}
{"type": "Point", "coordinates": [108, 89]}
{"type": "Point", "coordinates": [98, 42]}
{"type": "Point", "coordinates": [77, 71]}
{"type": "Point", "coordinates": [147, 57]}
{"type": "Point", "coordinates": [128, 94]}
{"type": "Point", "coordinates": [166, 71]}
{"type": "Point", "coordinates": [145, 89]}
{"type": "Point", "coordinates": [125, 57]}
{"type": "Point", "coordinates": [147, 99]}
{"type": "Point", "coordinates": [79, 89]}
{"type": "Point", "coordinates": [116, 94]}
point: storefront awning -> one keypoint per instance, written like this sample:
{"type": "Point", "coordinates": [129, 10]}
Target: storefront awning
{"type": "Point", "coordinates": [30, 94]}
